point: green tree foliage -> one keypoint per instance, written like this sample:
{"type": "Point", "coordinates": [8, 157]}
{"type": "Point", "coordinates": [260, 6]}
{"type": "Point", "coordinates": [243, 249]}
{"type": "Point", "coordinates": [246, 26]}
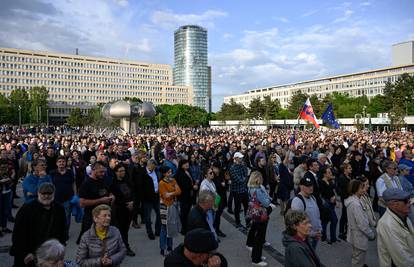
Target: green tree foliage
{"type": "Point", "coordinates": [38, 104]}
{"type": "Point", "coordinates": [76, 118]}
{"type": "Point", "coordinates": [271, 108]}
{"type": "Point", "coordinates": [256, 109]}
{"type": "Point", "coordinates": [6, 114]}
{"type": "Point", "coordinates": [19, 99]}
{"type": "Point", "coordinates": [296, 104]}
{"type": "Point", "coordinates": [231, 111]}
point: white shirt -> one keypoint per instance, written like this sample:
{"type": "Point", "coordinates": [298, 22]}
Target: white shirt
{"type": "Point", "coordinates": [154, 177]}
{"type": "Point", "coordinates": [381, 185]}
{"type": "Point", "coordinates": [208, 185]}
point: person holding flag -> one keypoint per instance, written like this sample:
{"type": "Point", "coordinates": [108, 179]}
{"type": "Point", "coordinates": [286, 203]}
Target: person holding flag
{"type": "Point", "coordinates": [328, 117]}
{"type": "Point", "coordinates": [307, 113]}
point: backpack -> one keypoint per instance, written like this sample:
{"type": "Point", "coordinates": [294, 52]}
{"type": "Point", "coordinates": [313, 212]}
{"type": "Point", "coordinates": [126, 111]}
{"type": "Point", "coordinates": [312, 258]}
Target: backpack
{"type": "Point", "coordinates": [289, 203]}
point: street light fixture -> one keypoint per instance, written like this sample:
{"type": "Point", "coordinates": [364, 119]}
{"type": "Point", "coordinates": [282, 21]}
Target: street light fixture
{"type": "Point", "coordinates": [20, 116]}
{"type": "Point", "coordinates": [363, 112]}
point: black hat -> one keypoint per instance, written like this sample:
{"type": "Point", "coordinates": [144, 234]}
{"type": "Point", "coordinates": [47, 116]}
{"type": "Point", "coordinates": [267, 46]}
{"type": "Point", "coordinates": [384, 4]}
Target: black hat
{"type": "Point", "coordinates": [200, 241]}
{"type": "Point", "coordinates": [46, 188]}
{"type": "Point", "coordinates": [306, 181]}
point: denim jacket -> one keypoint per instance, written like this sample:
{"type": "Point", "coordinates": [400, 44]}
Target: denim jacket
{"type": "Point", "coordinates": [261, 195]}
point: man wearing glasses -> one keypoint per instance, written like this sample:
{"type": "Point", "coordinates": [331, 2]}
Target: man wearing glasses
{"type": "Point", "coordinates": [395, 231]}
{"type": "Point", "coordinates": [387, 180]}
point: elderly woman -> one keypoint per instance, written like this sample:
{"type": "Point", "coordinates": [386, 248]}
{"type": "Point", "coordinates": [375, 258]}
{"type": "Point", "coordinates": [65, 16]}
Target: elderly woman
{"type": "Point", "coordinates": [257, 233]}
{"type": "Point", "coordinates": [298, 249]}
{"type": "Point", "coordinates": [102, 244]}
{"type": "Point", "coordinates": [359, 228]}
{"type": "Point", "coordinates": [52, 253]}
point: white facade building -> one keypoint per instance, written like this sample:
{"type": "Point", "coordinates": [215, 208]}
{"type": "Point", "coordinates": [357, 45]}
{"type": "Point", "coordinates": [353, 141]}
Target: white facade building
{"type": "Point", "coordinates": [369, 83]}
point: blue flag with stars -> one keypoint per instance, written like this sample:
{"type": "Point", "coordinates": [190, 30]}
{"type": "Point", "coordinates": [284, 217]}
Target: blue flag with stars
{"type": "Point", "coordinates": [328, 117]}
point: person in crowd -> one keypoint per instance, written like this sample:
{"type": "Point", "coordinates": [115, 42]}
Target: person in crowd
{"type": "Point", "coordinates": [312, 174]}
{"type": "Point", "coordinates": [197, 250]}
{"type": "Point", "coordinates": [169, 190]}
{"type": "Point", "coordinates": [148, 195]}
{"type": "Point", "coordinates": [51, 158]}
{"type": "Point", "coordinates": [299, 172]}
{"type": "Point", "coordinates": [92, 193]}
{"type": "Point", "coordinates": [220, 182]}
{"type": "Point", "coordinates": [202, 215]}
{"type": "Point", "coordinates": [36, 222]}
{"type": "Point", "coordinates": [395, 242]}
{"type": "Point", "coordinates": [407, 159]}
{"type": "Point", "coordinates": [360, 229]}
{"type": "Point", "coordinates": [326, 187]}
{"type": "Point", "coordinates": [342, 190]}
{"type": "Point", "coordinates": [357, 164]}
{"type": "Point", "coordinates": [102, 244]}
{"type": "Point", "coordinates": [367, 203]}
{"type": "Point", "coordinates": [123, 205]}
{"type": "Point", "coordinates": [32, 182]}
{"type": "Point", "coordinates": [188, 190]}
{"type": "Point", "coordinates": [297, 242]}
{"type": "Point", "coordinates": [403, 173]}
{"type": "Point", "coordinates": [257, 232]}
{"type": "Point", "coordinates": [388, 180]}
{"type": "Point", "coordinates": [272, 172]}
{"type": "Point", "coordinates": [80, 168]}
{"type": "Point", "coordinates": [306, 202]}
{"type": "Point", "coordinates": [208, 183]}
{"type": "Point", "coordinates": [52, 253]}
{"type": "Point", "coordinates": [238, 186]}
{"type": "Point", "coordinates": [5, 197]}
{"type": "Point", "coordinates": [64, 181]}
{"type": "Point", "coordinates": [286, 183]}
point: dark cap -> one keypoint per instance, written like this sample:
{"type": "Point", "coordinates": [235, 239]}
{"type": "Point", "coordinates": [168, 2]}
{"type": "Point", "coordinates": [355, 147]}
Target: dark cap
{"type": "Point", "coordinates": [306, 182]}
{"type": "Point", "coordinates": [200, 241]}
{"type": "Point", "coordinates": [395, 194]}
{"type": "Point", "coordinates": [46, 188]}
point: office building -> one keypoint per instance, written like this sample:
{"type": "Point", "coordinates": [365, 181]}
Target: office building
{"type": "Point", "coordinates": [190, 63]}
{"type": "Point", "coordinates": [84, 81]}
{"type": "Point", "coordinates": [403, 53]}
{"type": "Point", "coordinates": [369, 83]}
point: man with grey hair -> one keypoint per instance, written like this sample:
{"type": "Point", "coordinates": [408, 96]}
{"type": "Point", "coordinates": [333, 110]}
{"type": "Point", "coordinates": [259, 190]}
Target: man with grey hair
{"type": "Point", "coordinates": [388, 179]}
{"type": "Point", "coordinates": [52, 253]}
{"type": "Point", "coordinates": [36, 222]}
{"type": "Point", "coordinates": [202, 214]}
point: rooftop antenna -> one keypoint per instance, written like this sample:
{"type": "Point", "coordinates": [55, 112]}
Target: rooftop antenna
{"type": "Point", "coordinates": [76, 51]}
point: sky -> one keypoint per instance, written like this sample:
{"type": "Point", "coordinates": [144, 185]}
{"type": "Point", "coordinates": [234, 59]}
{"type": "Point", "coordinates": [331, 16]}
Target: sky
{"type": "Point", "coordinates": [251, 44]}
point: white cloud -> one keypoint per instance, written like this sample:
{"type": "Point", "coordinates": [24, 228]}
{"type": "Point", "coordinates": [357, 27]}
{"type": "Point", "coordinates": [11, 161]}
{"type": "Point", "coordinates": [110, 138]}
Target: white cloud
{"type": "Point", "coordinates": [309, 13]}
{"type": "Point", "coordinates": [345, 17]}
{"type": "Point", "coordinates": [281, 19]}
{"type": "Point", "coordinates": [167, 19]}
{"type": "Point", "coordinates": [365, 4]}
{"type": "Point", "coordinates": [122, 2]}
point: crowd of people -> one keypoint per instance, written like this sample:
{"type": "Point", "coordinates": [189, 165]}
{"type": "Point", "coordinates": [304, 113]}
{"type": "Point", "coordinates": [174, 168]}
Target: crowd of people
{"type": "Point", "coordinates": [180, 181]}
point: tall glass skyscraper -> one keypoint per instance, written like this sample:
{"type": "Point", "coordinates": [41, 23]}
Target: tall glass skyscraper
{"type": "Point", "coordinates": [190, 63]}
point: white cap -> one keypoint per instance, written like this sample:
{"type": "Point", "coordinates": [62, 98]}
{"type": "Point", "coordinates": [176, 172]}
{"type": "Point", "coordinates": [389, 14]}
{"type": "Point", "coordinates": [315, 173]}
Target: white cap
{"type": "Point", "coordinates": [238, 155]}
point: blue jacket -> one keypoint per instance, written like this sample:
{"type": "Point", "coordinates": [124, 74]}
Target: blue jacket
{"type": "Point", "coordinates": [261, 195]}
{"type": "Point", "coordinates": [31, 184]}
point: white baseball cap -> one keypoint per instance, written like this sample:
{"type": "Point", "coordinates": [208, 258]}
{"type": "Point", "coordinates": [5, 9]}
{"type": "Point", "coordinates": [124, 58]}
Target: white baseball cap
{"type": "Point", "coordinates": [238, 155]}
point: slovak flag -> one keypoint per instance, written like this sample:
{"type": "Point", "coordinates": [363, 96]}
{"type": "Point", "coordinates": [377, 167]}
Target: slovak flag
{"type": "Point", "coordinates": [307, 113]}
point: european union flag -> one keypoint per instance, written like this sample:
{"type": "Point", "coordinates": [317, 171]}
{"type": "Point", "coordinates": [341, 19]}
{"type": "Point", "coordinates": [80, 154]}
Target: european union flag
{"type": "Point", "coordinates": [328, 117]}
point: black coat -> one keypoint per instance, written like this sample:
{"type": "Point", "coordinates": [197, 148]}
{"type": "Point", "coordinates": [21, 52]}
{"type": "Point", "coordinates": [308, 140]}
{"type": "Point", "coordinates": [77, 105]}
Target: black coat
{"type": "Point", "coordinates": [177, 259]}
{"type": "Point", "coordinates": [145, 187]}
{"type": "Point", "coordinates": [197, 218]}
{"type": "Point", "coordinates": [35, 225]}
{"type": "Point", "coordinates": [185, 183]}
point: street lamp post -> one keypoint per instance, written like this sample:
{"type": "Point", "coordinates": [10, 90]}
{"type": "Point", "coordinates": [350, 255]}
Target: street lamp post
{"type": "Point", "coordinates": [20, 116]}
{"type": "Point", "coordinates": [406, 105]}
{"type": "Point", "coordinates": [363, 119]}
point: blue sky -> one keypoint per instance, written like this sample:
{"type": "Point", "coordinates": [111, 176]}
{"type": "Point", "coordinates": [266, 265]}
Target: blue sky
{"type": "Point", "coordinates": [251, 43]}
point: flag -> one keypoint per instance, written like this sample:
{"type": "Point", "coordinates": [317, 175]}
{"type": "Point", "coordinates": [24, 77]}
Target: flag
{"type": "Point", "coordinates": [328, 117]}
{"type": "Point", "coordinates": [307, 113]}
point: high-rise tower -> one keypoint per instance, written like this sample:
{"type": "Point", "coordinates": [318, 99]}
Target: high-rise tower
{"type": "Point", "coordinates": [190, 63]}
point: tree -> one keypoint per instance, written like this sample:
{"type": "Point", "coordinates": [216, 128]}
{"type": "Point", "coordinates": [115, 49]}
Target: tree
{"type": "Point", "coordinates": [19, 100]}
{"type": "Point", "coordinates": [296, 103]}
{"type": "Point", "coordinates": [231, 111]}
{"type": "Point", "coordinates": [5, 110]}
{"type": "Point", "coordinates": [379, 104]}
{"type": "Point", "coordinates": [76, 118]}
{"type": "Point", "coordinates": [38, 104]}
{"type": "Point", "coordinates": [401, 93]}
{"type": "Point", "coordinates": [271, 108]}
{"type": "Point", "coordinates": [256, 109]}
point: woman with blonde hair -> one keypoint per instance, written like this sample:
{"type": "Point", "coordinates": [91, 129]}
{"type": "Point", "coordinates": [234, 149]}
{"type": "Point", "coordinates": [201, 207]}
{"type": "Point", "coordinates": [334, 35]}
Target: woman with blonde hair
{"type": "Point", "coordinates": [259, 207]}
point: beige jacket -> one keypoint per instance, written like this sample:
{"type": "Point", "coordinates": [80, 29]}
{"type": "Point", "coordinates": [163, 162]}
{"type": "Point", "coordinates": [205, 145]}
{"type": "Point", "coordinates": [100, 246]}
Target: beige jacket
{"type": "Point", "coordinates": [395, 241]}
{"type": "Point", "coordinates": [359, 229]}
